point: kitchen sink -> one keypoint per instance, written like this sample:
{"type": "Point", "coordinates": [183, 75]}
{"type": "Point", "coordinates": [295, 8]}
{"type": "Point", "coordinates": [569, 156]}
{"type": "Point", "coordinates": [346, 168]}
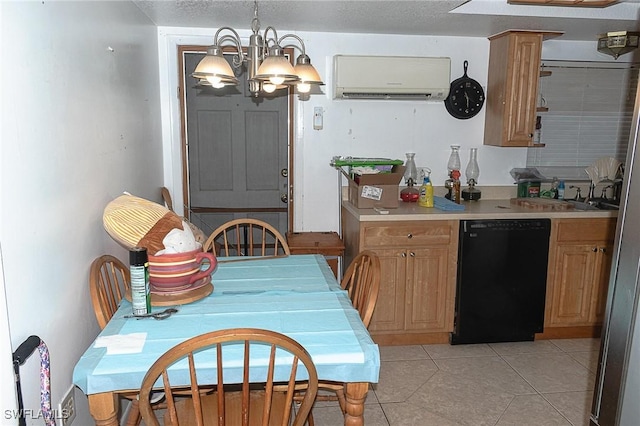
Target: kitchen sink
{"type": "Point", "coordinates": [594, 204]}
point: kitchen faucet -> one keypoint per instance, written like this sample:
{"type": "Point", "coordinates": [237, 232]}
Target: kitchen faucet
{"type": "Point", "coordinates": [577, 197]}
{"type": "Point", "coordinates": [591, 195]}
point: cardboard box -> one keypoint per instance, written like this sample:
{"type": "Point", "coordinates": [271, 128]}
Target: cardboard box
{"type": "Point", "coordinates": [376, 190]}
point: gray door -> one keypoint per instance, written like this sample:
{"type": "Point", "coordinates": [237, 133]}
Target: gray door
{"type": "Point", "coordinates": [237, 153]}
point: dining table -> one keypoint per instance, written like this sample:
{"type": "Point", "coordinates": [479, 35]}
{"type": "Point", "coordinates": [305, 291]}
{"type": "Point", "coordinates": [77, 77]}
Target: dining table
{"type": "Point", "coordinates": [296, 295]}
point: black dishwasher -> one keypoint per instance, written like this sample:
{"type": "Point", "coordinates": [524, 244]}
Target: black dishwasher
{"type": "Point", "coordinates": [501, 281]}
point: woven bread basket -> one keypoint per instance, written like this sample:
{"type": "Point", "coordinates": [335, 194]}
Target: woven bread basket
{"type": "Point", "coordinates": [133, 221]}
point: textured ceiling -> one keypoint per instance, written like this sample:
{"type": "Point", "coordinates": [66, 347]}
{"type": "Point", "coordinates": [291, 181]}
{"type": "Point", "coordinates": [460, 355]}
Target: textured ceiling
{"type": "Point", "coordinates": [473, 18]}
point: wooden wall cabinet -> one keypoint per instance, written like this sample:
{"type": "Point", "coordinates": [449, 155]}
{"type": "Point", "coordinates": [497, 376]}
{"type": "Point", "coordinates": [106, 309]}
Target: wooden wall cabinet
{"type": "Point", "coordinates": [580, 258]}
{"type": "Point", "coordinates": [418, 271]}
{"type": "Point", "coordinates": [512, 87]}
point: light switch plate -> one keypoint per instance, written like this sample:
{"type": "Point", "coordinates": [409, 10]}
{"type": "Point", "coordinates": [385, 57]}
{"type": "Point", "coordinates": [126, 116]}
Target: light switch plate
{"type": "Point", "coordinates": [317, 118]}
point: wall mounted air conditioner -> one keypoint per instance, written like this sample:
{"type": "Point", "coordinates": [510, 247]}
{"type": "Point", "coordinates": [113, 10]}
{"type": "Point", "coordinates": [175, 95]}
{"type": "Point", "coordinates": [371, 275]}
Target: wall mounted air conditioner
{"type": "Point", "coordinates": [391, 77]}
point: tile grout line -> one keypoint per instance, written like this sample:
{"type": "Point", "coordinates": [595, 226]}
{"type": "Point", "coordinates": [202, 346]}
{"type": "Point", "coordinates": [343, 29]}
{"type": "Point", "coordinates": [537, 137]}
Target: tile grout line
{"type": "Point", "coordinates": [537, 392]}
{"type": "Point", "coordinates": [562, 351]}
{"type": "Point", "coordinates": [505, 410]}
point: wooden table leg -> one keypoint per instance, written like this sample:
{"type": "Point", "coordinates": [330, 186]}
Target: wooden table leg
{"type": "Point", "coordinates": [355, 394]}
{"type": "Point", "coordinates": [102, 407]}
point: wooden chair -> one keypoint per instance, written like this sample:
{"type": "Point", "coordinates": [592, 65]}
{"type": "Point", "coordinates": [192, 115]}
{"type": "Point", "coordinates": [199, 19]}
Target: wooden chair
{"type": "Point", "coordinates": [199, 235]}
{"type": "Point", "coordinates": [253, 402]}
{"type": "Point", "coordinates": [247, 237]}
{"type": "Point", "coordinates": [109, 279]}
{"type": "Point", "coordinates": [362, 282]}
{"type": "Point", "coordinates": [166, 197]}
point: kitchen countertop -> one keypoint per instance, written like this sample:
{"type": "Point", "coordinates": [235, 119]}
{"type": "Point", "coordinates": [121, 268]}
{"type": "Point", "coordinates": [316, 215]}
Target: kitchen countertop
{"type": "Point", "coordinates": [482, 209]}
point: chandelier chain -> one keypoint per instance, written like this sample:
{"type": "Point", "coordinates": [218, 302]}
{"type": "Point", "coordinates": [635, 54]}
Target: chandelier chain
{"type": "Point", "coordinates": [255, 22]}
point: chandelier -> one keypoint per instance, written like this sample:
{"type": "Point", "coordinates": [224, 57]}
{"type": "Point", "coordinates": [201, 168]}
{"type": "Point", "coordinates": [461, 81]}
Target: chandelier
{"type": "Point", "coordinates": [617, 43]}
{"type": "Point", "coordinates": [268, 69]}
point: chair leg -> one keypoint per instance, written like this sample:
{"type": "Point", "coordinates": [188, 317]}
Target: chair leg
{"type": "Point", "coordinates": [342, 400]}
{"type": "Point", "coordinates": [133, 419]}
{"type": "Point", "coordinates": [310, 421]}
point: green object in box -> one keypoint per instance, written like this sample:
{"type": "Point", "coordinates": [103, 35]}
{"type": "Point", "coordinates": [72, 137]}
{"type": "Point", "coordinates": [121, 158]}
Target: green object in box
{"type": "Point", "coordinates": [354, 162]}
{"type": "Point", "coordinates": [529, 189]}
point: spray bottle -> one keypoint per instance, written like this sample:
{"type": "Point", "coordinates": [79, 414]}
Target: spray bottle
{"type": "Point", "coordinates": [426, 191]}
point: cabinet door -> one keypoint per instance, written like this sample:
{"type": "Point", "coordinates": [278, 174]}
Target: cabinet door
{"type": "Point", "coordinates": [389, 312]}
{"type": "Point", "coordinates": [427, 297]}
{"type": "Point", "coordinates": [601, 283]}
{"type": "Point", "coordinates": [522, 88]}
{"type": "Point", "coordinates": [575, 266]}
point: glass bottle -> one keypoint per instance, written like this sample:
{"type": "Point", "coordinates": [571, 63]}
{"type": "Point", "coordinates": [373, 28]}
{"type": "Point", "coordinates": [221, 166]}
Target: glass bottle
{"type": "Point", "coordinates": [455, 190]}
{"type": "Point", "coordinates": [410, 172]}
{"type": "Point", "coordinates": [472, 172]}
{"type": "Point", "coordinates": [454, 159]}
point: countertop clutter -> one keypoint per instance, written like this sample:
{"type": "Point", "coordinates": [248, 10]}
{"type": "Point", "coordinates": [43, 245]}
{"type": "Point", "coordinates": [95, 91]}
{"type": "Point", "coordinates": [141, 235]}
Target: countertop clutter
{"type": "Point", "coordinates": [482, 209]}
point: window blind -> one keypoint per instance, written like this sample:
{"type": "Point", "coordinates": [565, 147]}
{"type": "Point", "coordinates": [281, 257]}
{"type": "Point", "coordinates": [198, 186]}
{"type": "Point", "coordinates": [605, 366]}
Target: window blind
{"type": "Point", "coordinates": [590, 112]}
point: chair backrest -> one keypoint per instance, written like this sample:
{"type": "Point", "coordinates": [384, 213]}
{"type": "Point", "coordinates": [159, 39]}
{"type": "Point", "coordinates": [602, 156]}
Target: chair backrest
{"type": "Point", "coordinates": [108, 281]}
{"type": "Point", "coordinates": [253, 398]}
{"type": "Point", "coordinates": [362, 282]}
{"type": "Point", "coordinates": [247, 237]}
{"type": "Point", "coordinates": [166, 197]}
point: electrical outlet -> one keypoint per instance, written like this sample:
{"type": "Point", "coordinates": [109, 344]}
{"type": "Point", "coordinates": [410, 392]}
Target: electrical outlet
{"type": "Point", "coordinates": [67, 408]}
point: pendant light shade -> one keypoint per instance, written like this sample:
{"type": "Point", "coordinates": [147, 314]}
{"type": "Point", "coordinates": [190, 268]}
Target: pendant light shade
{"type": "Point", "coordinates": [276, 68]}
{"type": "Point", "coordinates": [215, 69]}
{"type": "Point", "coordinates": [306, 72]}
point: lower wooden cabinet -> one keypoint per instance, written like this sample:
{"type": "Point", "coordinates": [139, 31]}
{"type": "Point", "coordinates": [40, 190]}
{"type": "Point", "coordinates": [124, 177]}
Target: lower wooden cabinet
{"type": "Point", "coordinates": [416, 294]}
{"type": "Point", "coordinates": [578, 276]}
{"type": "Point", "coordinates": [418, 276]}
{"type": "Point", "coordinates": [418, 272]}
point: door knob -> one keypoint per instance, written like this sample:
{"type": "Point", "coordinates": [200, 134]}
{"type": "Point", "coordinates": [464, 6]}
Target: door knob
{"type": "Point", "coordinates": [284, 198]}
{"type": "Point", "coordinates": [284, 172]}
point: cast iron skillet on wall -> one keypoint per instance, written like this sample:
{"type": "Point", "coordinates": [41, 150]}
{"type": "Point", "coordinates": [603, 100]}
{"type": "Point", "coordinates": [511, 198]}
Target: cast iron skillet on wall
{"type": "Point", "coordinates": [466, 97]}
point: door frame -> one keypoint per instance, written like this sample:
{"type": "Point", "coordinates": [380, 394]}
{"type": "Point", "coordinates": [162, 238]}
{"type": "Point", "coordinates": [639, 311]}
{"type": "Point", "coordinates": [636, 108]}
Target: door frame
{"type": "Point", "coordinates": [182, 78]}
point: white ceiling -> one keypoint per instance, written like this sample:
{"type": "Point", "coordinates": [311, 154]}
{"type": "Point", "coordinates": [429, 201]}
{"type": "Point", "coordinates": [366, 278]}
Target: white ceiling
{"type": "Point", "coordinates": [473, 18]}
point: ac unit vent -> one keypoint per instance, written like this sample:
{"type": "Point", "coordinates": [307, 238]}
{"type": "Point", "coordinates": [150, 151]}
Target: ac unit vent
{"type": "Point", "coordinates": [391, 77]}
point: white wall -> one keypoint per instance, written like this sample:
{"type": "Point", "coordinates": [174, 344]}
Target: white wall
{"type": "Point", "coordinates": [80, 125]}
{"type": "Point", "coordinates": [357, 128]}
{"type": "Point", "coordinates": [362, 127]}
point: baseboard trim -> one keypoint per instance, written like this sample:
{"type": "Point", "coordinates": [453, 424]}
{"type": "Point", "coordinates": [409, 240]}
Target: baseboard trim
{"type": "Point", "coordinates": [570, 332]}
{"type": "Point", "coordinates": [410, 338]}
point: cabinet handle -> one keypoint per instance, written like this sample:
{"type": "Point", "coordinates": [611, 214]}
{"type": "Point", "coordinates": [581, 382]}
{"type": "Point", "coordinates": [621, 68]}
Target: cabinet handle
{"type": "Point", "coordinates": [403, 254]}
{"type": "Point", "coordinates": [409, 236]}
{"type": "Point", "coordinates": [412, 254]}
{"type": "Point", "coordinates": [531, 135]}
{"type": "Point", "coordinates": [603, 250]}
{"type": "Point", "coordinates": [595, 249]}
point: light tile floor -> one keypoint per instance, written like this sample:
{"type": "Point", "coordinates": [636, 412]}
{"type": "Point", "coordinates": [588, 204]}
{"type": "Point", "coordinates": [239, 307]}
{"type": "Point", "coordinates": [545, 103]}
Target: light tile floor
{"type": "Point", "coordinates": [547, 382]}
{"type": "Point", "coordinates": [542, 383]}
